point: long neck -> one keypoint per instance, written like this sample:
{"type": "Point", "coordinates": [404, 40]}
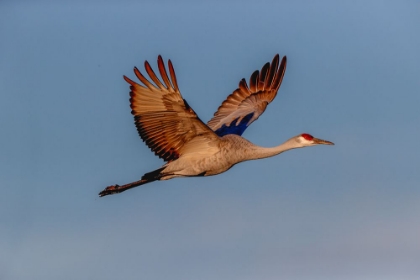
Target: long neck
{"type": "Point", "coordinates": [261, 152]}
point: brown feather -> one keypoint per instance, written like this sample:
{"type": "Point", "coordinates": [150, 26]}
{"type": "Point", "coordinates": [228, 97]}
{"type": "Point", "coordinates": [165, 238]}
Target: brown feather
{"type": "Point", "coordinates": [263, 76]}
{"type": "Point", "coordinates": [253, 80]}
{"type": "Point", "coordinates": [152, 75]}
{"type": "Point", "coordinates": [263, 87]}
{"type": "Point", "coordinates": [173, 76]}
{"type": "Point", "coordinates": [273, 71]}
{"type": "Point", "coordinates": [163, 119]}
{"type": "Point", "coordinates": [163, 73]}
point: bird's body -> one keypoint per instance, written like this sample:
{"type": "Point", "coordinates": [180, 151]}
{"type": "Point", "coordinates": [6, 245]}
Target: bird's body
{"type": "Point", "coordinates": [213, 158]}
{"type": "Point", "coordinates": [170, 127]}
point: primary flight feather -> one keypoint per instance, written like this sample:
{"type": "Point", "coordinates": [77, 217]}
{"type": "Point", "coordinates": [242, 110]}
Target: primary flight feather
{"type": "Point", "coordinates": [174, 132]}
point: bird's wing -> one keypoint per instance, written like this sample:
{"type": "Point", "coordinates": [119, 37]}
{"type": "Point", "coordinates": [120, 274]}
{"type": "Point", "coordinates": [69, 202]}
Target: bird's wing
{"type": "Point", "coordinates": [163, 118]}
{"type": "Point", "coordinates": [246, 104]}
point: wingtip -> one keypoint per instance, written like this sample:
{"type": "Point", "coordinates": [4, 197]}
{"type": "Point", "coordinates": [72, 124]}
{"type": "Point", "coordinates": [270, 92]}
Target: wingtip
{"type": "Point", "coordinates": [173, 75]}
{"type": "Point", "coordinates": [284, 59]}
{"type": "Point", "coordinates": [284, 63]}
{"type": "Point", "coordinates": [147, 65]}
{"type": "Point", "coordinates": [128, 80]}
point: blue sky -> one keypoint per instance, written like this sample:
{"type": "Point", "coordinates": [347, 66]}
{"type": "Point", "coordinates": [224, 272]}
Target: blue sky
{"type": "Point", "coordinates": [350, 211]}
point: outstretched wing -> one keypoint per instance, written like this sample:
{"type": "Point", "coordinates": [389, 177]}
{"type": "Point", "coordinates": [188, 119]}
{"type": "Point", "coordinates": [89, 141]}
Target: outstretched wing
{"type": "Point", "coordinates": [163, 118]}
{"type": "Point", "coordinates": [246, 104]}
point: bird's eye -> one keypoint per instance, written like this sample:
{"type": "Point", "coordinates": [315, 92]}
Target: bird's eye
{"type": "Point", "coordinates": [307, 136]}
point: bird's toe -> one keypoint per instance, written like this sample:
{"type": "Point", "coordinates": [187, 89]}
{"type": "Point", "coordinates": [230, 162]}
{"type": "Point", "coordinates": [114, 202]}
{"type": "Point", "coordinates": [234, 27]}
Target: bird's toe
{"type": "Point", "coordinates": [109, 190]}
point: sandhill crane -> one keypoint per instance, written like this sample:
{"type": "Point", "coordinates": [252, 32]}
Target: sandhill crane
{"type": "Point", "coordinates": [173, 131]}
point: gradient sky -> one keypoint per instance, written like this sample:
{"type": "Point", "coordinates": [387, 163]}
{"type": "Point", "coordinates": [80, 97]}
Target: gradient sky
{"type": "Point", "coordinates": [349, 211]}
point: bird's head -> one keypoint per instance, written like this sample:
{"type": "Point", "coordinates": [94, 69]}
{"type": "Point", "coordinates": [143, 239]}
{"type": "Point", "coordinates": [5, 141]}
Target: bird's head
{"type": "Point", "coordinates": [306, 140]}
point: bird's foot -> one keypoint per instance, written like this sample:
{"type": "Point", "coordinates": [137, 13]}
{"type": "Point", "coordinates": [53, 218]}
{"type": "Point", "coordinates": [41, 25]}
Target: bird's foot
{"type": "Point", "coordinates": [110, 190]}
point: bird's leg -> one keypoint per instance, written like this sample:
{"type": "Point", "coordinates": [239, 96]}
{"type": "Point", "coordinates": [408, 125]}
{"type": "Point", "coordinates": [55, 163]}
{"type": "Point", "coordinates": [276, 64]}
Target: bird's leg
{"type": "Point", "coordinates": [146, 178]}
{"type": "Point", "coordinates": [117, 188]}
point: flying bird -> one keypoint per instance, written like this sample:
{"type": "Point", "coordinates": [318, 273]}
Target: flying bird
{"type": "Point", "coordinates": [174, 132]}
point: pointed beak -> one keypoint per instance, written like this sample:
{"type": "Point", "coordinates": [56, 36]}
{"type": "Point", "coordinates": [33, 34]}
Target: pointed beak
{"type": "Point", "coordinates": [322, 142]}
